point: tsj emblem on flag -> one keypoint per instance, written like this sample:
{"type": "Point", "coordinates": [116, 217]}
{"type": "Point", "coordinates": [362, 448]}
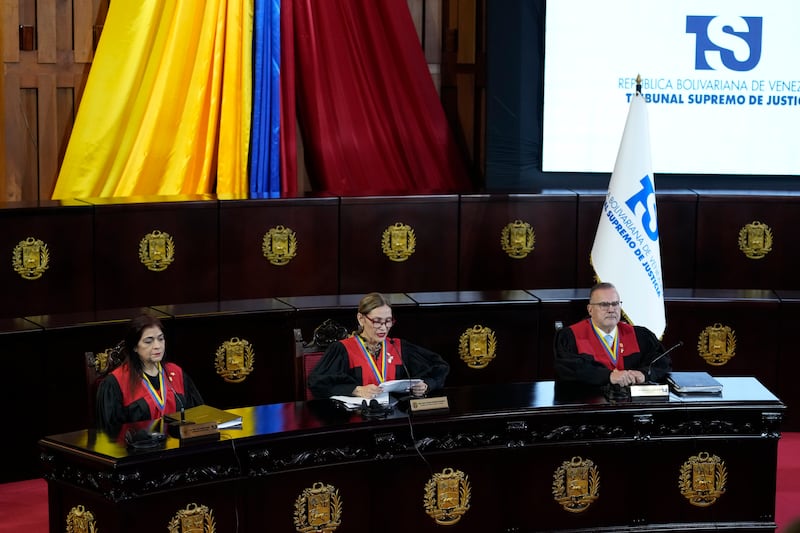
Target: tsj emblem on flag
{"type": "Point", "coordinates": [626, 250]}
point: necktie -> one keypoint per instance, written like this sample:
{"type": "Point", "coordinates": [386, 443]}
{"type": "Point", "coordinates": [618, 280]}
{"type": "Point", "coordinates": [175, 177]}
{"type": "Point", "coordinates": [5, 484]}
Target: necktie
{"type": "Point", "coordinates": [609, 340]}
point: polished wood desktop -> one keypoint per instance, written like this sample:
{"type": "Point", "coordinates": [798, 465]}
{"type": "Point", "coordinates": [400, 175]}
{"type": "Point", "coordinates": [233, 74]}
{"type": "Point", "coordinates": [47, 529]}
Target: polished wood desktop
{"type": "Point", "coordinates": [513, 457]}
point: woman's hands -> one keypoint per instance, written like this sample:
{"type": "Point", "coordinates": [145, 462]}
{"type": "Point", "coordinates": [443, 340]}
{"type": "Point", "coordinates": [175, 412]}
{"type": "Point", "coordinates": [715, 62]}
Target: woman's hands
{"type": "Point", "coordinates": [367, 391]}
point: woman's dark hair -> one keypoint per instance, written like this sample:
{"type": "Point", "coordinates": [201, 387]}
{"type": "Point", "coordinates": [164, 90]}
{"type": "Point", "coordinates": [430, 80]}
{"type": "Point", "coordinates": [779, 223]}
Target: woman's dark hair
{"type": "Point", "coordinates": [133, 335]}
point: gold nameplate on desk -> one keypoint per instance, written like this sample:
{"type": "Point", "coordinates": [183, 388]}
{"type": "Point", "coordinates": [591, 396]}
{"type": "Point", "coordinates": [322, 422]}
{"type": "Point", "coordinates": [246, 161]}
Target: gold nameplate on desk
{"type": "Point", "coordinates": [203, 429]}
{"type": "Point", "coordinates": [437, 403]}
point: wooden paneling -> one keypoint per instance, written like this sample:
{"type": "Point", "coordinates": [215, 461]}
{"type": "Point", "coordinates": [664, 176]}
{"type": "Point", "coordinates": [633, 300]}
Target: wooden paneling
{"type": "Point", "coordinates": [204, 339]}
{"type": "Point", "coordinates": [245, 272]}
{"type": "Point", "coordinates": [749, 321]}
{"type": "Point", "coordinates": [505, 323]}
{"type": "Point", "coordinates": [64, 259]}
{"type": "Point", "coordinates": [122, 280]}
{"type": "Point", "coordinates": [722, 220]}
{"type": "Point", "coordinates": [483, 263]}
{"type": "Point", "coordinates": [22, 357]}
{"type": "Point", "coordinates": [788, 360]}
{"type": "Point", "coordinates": [366, 222]}
{"type": "Point", "coordinates": [42, 88]}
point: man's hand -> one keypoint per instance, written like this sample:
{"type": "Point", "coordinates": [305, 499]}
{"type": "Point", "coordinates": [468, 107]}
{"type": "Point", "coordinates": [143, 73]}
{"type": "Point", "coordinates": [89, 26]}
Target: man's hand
{"type": "Point", "coordinates": [625, 378]}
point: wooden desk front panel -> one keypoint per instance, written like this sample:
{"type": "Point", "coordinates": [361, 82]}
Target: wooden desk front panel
{"type": "Point", "coordinates": [721, 224]}
{"type": "Point", "coordinates": [789, 358]}
{"type": "Point", "coordinates": [506, 321]}
{"type": "Point", "coordinates": [23, 393]}
{"type": "Point", "coordinates": [484, 265]}
{"type": "Point", "coordinates": [433, 266]}
{"type": "Point", "coordinates": [750, 345]}
{"type": "Point", "coordinates": [244, 270]}
{"type": "Point", "coordinates": [67, 282]}
{"type": "Point", "coordinates": [207, 343]}
{"type": "Point", "coordinates": [508, 441]}
{"type": "Point", "coordinates": [121, 278]}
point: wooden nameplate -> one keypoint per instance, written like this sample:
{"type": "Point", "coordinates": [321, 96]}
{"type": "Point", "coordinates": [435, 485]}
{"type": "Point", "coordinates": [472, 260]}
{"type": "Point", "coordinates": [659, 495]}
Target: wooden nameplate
{"type": "Point", "coordinates": [428, 405]}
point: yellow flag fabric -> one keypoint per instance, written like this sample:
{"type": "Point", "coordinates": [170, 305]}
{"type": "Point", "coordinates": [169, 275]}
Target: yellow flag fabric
{"type": "Point", "coordinates": [160, 89]}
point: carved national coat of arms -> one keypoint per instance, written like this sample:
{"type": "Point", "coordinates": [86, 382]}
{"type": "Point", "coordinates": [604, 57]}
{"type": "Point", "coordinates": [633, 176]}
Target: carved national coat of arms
{"type": "Point", "coordinates": [318, 509]}
{"type": "Point", "coordinates": [279, 245]}
{"type": "Point", "coordinates": [576, 484]}
{"type": "Point", "coordinates": [517, 239]}
{"type": "Point", "coordinates": [234, 360]}
{"type": "Point", "coordinates": [447, 496]}
{"type": "Point", "coordinates": [702, 479]}
{"type": "Point", "coordinates": [477, 346]}
{"type": "Point", "coordinates": [398, 242]}
{"type": "Point", "coordinates": [30, 258]}
{"type": "Point", "coordinates": [717, 344]}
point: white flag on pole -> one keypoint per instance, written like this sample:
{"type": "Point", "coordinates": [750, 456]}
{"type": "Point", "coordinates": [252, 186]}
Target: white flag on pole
{"type": "Point", "coordinates": [626, 249]}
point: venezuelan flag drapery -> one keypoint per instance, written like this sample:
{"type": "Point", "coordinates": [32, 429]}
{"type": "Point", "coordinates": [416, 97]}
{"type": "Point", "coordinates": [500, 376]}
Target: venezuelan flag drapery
{"type": "Point", "coordinates": [265, 159]}
{"type": "Point", "coordinates": [206, 96]}
{"type": "Point", "coordinates": [166, 109]}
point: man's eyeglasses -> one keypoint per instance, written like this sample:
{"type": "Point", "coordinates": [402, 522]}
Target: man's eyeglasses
{"type": "Point", "coordinates": [606, 305]}
{"type": "Point", "coordinates": [377, 322]}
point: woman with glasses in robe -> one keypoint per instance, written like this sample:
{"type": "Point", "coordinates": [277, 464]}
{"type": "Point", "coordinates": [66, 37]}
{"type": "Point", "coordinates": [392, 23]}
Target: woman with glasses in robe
{"type": "Point", "coordinates": [359, 364]}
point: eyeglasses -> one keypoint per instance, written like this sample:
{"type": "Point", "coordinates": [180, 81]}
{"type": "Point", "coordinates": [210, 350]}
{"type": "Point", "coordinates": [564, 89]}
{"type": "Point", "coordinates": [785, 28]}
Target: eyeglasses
{"type": "Point", "coordinates": [606, 305]}
{"type": "Point", "coordinates": [376, 322]}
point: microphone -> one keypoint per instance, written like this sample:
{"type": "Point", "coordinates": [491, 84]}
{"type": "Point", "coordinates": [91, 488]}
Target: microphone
{"type": "Point", "coordinates": [650, 366]}
{"type": "Point", "coordinates": [408, 374]}
{"type": "Point", "coordinates": [178, 401]}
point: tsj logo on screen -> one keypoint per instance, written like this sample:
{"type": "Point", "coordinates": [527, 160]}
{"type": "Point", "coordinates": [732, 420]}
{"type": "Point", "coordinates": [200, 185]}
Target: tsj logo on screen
{"type": "Point", "coordinates": [732, 43]}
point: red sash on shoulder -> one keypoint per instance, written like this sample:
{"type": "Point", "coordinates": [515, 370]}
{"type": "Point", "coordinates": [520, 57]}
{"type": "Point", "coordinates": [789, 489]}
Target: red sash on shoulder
{"type": "Point", "coordinates": [588, 343]}
{"type": "Point", "coordinates": [359, 358]}
{"type": "Point", "coordinates": [173, 379]}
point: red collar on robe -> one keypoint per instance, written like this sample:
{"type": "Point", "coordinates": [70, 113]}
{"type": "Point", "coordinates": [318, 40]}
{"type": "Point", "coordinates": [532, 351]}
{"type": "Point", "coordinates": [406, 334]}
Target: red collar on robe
{"type": "Point", "coordinates": [588, 343]}
{"type": "Point", "coordinates": [374, 372]}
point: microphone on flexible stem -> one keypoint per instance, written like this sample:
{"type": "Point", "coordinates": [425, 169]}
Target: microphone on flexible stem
{"type": "Point", "coordinates": [650, 366]}
{"type": "Point", "coordinates": [408, 374]}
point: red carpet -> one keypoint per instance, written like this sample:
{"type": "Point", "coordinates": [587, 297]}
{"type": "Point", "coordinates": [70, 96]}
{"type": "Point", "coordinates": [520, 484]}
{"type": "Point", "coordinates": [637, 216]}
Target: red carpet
{"type": "Point", "coordinates": [787, 494]}
{"type": "Point", "coordinates": [23, 504]}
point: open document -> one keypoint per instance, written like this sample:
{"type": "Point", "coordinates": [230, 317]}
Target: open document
{"type": "Point", "coordinates": [395, 385]}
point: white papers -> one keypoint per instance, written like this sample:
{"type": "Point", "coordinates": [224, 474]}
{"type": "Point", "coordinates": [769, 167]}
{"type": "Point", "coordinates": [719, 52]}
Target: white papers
{"type": "Point", "coordinates": [394, 385]}
{"type": "Point", "coordinates": [399, 385]}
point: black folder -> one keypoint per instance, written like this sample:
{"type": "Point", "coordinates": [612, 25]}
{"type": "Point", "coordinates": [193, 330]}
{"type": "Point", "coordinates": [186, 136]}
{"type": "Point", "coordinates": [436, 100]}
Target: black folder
{"type": "Point", "coordinates": [693, 383]}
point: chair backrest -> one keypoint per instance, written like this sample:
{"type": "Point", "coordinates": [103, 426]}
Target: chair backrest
{"type": "Point", "coordinates": [98, 365]}
{"type": "Point", "coordinates": [308, 355]}
{"type": "Point", "coordinates": [310, 360]}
